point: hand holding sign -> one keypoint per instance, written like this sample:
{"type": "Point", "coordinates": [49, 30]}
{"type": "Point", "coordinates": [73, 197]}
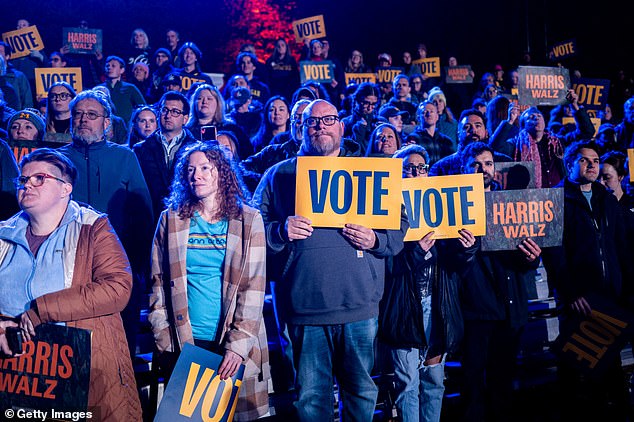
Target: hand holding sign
{"type": "Point", "coordinates": [27, 326]}
{"type": "Point", "coordinates": [4, 344]}
{"type": "Point", "coordinates": [530, 249]}
{"type": "Point", "coordinates": [361, 237]}
{"type": "Point", "coordinates": [581, 306]}
{"type": "Point", "coordinates": [467, 239]}
{"type": "Point", "coordinates": [514, 113]}
{"type": "Point", "coordinates": [23, 41]}
{"type": "Point", "coordinates": [427, 242]}
{"type": "Point", "coordinates": [230, 364]}
{"type": "Point", "coordinates": [573, 99]}
{"type": "Point", "coordinates": [298, 227]}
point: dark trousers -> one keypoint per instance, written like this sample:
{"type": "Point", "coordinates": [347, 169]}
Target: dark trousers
{"type": "Point", "coordinates": [603, 397]}
{"type": "Point", "coordinates": [489, 362]}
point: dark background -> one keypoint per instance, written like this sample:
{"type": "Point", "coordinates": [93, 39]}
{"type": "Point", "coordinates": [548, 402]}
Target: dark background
{"type": "Point", "coordinates": [478, 33]}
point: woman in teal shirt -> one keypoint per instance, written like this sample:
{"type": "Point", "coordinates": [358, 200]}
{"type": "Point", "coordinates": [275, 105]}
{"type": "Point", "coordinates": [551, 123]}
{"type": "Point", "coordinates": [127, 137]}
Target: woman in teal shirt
{"type": "Point", "coordinates": [208, 272]}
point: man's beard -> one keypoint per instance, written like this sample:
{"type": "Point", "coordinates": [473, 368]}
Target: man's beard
{"type": "Point", "coordinates": [87, 139]}
{"type": "Point", "coordinates": [315, 148]}
{"type": "Point", "coordinates": [488, 180]}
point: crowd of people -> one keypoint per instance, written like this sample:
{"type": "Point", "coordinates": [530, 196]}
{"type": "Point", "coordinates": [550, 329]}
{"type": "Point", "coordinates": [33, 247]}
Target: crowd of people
{"type": "Point", "coordinates": [152, 179]}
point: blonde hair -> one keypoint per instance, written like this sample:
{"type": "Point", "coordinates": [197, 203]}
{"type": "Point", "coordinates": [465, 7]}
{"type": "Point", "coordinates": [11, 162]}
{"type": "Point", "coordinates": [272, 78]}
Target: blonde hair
{"type": "Point", "coordinates": [146, 42]}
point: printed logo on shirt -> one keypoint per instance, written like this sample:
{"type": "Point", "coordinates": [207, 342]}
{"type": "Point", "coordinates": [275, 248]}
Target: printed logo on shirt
{"type": "Point", "coordinates": [207, 241]}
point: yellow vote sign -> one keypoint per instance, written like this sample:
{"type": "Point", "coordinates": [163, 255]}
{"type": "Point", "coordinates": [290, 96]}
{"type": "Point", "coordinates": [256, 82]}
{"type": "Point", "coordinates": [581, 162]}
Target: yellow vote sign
{"type": "Point", "coordinates": [630, 160]}
{"type": "Point", "coordinates": [444, 204]}
{"type": "Point", "coordinates": [429, 66]}
{"type": "Point", "coordinates": [357, 78]}
{"type": "Point", "coordinates": [23, 40]}
{"type": "Point", "coordinates": [334, 191]}
{"type": "Point", "coordinates": [309, 28]}
{"type": "Point", "coordinates": [47, 76]}
{"type": "Point", "coordinates": [596, 122]}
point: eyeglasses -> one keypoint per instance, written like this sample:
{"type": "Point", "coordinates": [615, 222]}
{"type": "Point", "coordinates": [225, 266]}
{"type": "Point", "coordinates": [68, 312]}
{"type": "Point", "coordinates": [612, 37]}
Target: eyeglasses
{"type": "Point", "coordinates": [296, 119]}
{"type": "Point", "coordinates": [56, 59]}
{"type": "Point", "coordinates": [174, 112]}
{"type": "Point", "coordinates": [61, 96]}
{"type": "Point", "coordinates": [368, 103]}
{"type": "Point", "coordinates": [420, 168]}
{"type": "Point", "coordinates": [326, 120]}
{"type": "Point", "coordinates": [91, 115]}
{"type": "Point", "coordinates": [36, 180]}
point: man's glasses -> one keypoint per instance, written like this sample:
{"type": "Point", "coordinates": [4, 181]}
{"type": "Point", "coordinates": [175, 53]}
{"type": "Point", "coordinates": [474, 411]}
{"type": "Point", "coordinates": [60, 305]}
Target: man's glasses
{"type": "Point", "coordinates": [368, 103]}
{"type": "Point", "coordinates": [420, 168]}
{"type": "Point", "coordinates": [36, 180]}
{"type": "Point", "coordinates": [174, 112]}
{"type": "Point", "coordinates": [326, 120]}
{"type": "Point", "coordinates": [296, 119]}
{"type": "Point", "coordinates": [61, 96]}
{"type": "Point", "coordinates": [91, 115]}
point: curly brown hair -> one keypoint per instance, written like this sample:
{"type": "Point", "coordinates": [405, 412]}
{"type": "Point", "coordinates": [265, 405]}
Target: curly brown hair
{"type": "Point", "coordinates": [232, 193]}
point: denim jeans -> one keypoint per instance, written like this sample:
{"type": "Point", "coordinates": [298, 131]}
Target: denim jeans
{"type": "Point", "coordinates": [419, 388]}
{"type": "Point", "coordinates": [345, 350]}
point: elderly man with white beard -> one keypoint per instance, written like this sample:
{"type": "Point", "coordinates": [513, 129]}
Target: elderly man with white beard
{"type": "Point", "coordinates": [109, 179]}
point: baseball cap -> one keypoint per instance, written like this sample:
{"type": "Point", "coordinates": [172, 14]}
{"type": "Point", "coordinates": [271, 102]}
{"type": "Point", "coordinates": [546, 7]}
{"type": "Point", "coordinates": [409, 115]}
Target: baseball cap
{"type": "Point", "coordinates": [388, 111]}
{"type": "Point", "coordinates": [171, 79]}
{"type": "Point", "coordinates": [240, 95]}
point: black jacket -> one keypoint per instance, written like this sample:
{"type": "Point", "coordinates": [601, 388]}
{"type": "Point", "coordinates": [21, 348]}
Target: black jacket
{"type": "Point", "coordinates": [158, 176]}
{"type": "Point", "coordinates": [408, 268]}
{"type": "Point", "coordinates": [594, 256]}
{"type": "Point", "coordinates": [437, 146]}
{"type": "Point", "coordinates": [494, 284]}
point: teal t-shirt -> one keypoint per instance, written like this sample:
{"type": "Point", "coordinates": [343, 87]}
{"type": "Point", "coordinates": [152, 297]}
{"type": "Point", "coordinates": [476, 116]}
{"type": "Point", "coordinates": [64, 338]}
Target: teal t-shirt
{"type": "Point", "coordinates": [206, 248]}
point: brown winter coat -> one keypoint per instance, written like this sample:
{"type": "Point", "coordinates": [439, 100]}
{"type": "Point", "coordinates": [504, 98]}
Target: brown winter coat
{"type": "Point", "coordinates": [100, 289]}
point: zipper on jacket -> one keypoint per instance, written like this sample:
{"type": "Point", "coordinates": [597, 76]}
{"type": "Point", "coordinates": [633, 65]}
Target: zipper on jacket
{"type": "Point", "coordinates": [87, 159]}
{"type": "Point", "coordinates": [30, 279]}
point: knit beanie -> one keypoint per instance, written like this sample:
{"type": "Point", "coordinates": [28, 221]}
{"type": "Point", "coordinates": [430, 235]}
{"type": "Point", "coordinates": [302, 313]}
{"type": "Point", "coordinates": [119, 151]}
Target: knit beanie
{"type": "Point", "coordinates": [33, 116]}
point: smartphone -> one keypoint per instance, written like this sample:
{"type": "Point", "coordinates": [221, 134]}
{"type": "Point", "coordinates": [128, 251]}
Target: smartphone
{"type": "Point", "coordinates": [208, 133]}
{"type": "Point", "coordinates": [15, 339]}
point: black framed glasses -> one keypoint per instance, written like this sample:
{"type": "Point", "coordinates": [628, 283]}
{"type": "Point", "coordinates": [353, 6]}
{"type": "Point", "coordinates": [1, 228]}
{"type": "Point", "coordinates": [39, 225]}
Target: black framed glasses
{"type": "Point", "coordinates": [61, 96]}
{"type": "Point", "coordinates": [36, 180]}
{"type": "Point", "coordinates": [90, 115]}
{"type": "Point", "coordinates": [326, 120]}
{"type": "Point", "coordinates": [368, 103]}
{"type": "Point", "coordinates": [419, 168]}
{"type": "Point", "coordinates": [174, 112]}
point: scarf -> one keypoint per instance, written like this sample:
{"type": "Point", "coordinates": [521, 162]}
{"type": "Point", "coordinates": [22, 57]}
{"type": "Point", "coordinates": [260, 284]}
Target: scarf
{"type": "Point", "coordinates": [527, 149]}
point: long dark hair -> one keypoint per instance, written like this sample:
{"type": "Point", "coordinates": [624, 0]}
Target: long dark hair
{"type": "Point", "coordinates": [232, 193]}
{"type": "Point", "coordinates": [265, 133]}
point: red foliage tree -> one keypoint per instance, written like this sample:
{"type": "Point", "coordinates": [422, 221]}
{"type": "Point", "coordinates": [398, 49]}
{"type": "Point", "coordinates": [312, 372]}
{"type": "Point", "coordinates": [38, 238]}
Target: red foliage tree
{"type": "Point", "coordinates": [259, 22]}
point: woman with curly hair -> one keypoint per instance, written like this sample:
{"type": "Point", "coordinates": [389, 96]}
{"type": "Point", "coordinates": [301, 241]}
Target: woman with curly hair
{"type": "Point", "coordinates": [208, 273]}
